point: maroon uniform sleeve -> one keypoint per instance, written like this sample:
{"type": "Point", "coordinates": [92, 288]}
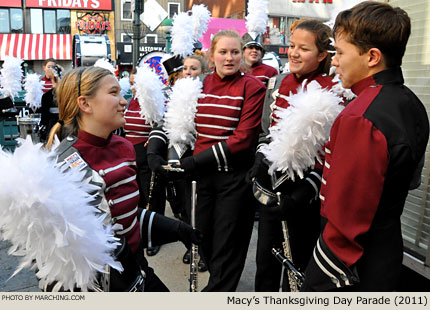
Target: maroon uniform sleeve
{"type": "Point", "coordinates": [247, 130]}
{"type": "Point", "coordinates": [353, 179]}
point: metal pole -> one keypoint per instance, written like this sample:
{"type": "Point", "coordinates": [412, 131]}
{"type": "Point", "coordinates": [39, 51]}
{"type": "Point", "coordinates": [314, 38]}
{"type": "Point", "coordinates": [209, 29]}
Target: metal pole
{"type": "Point", "coordinates": [136, 31]}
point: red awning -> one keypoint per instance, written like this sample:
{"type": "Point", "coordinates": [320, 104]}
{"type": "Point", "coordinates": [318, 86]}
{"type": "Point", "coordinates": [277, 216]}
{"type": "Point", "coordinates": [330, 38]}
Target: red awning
{"type": "Point", "coordinates": [36, 46]}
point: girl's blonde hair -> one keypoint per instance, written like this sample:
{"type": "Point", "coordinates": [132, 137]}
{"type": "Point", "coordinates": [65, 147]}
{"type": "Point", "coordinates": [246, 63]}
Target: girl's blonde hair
{"type": "Point", "coordinates": [78, 82]}
{"type": "Point", "coordinates": [225, 33]}
{"type": "Point", "coordinates": [200, 57]}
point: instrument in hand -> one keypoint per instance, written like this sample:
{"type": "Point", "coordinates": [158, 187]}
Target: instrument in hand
{"type": "Point", "coordinates": [298, 276]}
{"type": "Point", "coordinates": [194, 260]}
{"type": "Point", "coordinates": [292, 280]}
{"type": "Point", "coordinates": [172, 168]}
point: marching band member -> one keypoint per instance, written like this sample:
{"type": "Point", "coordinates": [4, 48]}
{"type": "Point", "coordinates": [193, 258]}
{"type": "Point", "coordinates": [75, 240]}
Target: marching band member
{"type": "Point", "coordinates": [90, 109]}
{"type": "Point", "coordinates": [227, 123]}
{"type": "Point", "coordinates": [309, 63]}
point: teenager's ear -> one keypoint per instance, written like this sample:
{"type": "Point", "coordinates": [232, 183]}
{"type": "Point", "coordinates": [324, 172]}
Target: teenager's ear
{"type": "Point", "coordinates": [375, 57]}
{"type": "Point", "coordinates": [83, 104]}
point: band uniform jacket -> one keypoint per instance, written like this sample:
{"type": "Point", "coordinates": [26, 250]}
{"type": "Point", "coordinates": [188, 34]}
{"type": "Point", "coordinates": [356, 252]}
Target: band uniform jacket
{"type": "Point", "coordinates": [263, 72]}
{"type": "Point", "coordinates": [228, 119]}
{"type": "Point", "coordinates": [376, 150]}
{"type": "Point", "coordinates": [136, 128]}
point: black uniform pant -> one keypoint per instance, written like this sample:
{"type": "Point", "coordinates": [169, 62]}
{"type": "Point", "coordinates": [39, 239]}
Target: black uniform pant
{"type": "Point", "coordinates": [304, 227]}
{"type": "Point", "coordinates": [144, 174]}
{"type": "Point", "coordinates": [225, 215]}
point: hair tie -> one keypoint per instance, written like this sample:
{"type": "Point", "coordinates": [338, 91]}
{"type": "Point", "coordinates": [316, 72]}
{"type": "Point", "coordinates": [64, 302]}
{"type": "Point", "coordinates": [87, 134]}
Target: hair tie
{"type": "Point", "coordinates": [61, 122]}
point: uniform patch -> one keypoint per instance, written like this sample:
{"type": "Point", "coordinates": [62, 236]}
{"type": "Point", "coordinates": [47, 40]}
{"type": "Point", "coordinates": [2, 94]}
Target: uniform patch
{"type": "Point", "coordinates": [272, 82]}
{"type": "Point", "coordinates": [75, 161]}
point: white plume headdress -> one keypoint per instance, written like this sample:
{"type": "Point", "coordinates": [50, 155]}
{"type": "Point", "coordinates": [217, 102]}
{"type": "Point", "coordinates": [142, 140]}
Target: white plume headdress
{"type": "Point", "coordinates": [10, 78]}
{"type": "Point", "coordinates": [256, 20]}
{"type": "Point", "coordinates": [47, 216]}
{"type": "Point", "coordinates": [104, 63]}
{"type": "Point", "coordinates": [124, 83]}
{"type": "Point", "coordinates": [182, 35]}
{"type": "Point", "coordinates": [181, 110]}
{"type": "Point", "coordinates": [149, 93]}
{"type": "Point", "coordinates": [302, 129]}
{"type": "Point", "coordinates": [200, 16]}
{"type": "Point", "coordinates": [34, 91]}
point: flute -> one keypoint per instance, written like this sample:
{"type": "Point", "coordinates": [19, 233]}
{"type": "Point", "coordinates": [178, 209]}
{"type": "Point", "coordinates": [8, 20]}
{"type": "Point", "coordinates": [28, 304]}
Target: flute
{"type": "Point", "coordinates": [194, 261]}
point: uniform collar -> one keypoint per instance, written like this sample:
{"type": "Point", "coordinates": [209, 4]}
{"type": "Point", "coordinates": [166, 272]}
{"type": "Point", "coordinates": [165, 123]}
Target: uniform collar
{"type": "Point", "coordinates": [385, 77]}
{"type": "Point", "coordinates": [92, 139]}
{"type": "Point", "coordinates": [227, 77]}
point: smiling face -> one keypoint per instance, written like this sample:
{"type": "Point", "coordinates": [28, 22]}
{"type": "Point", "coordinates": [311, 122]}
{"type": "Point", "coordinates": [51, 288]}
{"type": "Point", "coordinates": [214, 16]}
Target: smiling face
{"type": "Point", "coordinates": [227, 56]}
{"type": "Point", "coordinates": [106, 108]}
{"type": "Point", "coordinates": [303, 54]}
{"type": "Point", "coordinates": [192, 67]}
{"type": "Point", "coordinates": [252, 54]}
{"type": "Point", "coordinates": [351, 65]}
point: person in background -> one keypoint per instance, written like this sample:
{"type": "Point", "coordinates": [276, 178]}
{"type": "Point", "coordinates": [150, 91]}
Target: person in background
{"type": "Point", "coordinates": [253, 53]}
{"type": "Point", "coordinates": [91, 107]}
{"type": "Point", "coordinates": [227, 123]}
{"type": "Point", "coordinates": [375, 154]}
{"type": "Point", "coordinates": [49, 78]}
{"type": "Point", "coordinates": [309, 61]}
{"type": "Point", "coordinates": [152, 192]}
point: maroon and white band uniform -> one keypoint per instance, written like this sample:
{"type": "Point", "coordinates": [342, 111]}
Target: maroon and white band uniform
{"type": "Point", "coordinates": [227, 123]}
{"type": "Point", "coordinates": [303, 220]}
{"type": "Point", "coordinates": [47, 84]}
{"type": "Point", "coordinates": [375, 154]}
{"type": "Point", "coordinates": [137, 130]}
{"type": "Point", "coordinates": [114, 160]}
{"type": "Point", "coordinates": [263, 72]}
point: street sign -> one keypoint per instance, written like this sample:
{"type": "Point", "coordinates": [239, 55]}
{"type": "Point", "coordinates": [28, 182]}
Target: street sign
{"type": "Point", "coordinates": [153, 14]}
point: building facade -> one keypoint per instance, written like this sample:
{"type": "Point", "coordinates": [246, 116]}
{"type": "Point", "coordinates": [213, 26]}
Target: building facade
{"type": "Point", "coordinates": [35, 30]}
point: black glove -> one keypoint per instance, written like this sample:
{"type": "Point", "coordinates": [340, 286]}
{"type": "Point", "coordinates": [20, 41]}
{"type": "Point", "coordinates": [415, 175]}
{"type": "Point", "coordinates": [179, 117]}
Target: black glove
{"type": "Point", "coordinates": [188, 234]}
{"type": "Point", "coordinates": [252, 173]}
{"type": "Point", "coordinates": [155, 163]}
{"type": "Point", "coordinates": [188, 164]}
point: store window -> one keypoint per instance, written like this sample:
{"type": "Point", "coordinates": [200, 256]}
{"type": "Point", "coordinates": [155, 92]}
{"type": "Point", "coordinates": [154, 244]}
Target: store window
{"type": "Point", "coordinates": [125, 37]}
{"type": "Point", "coordinates": [63, 21]}
{"type": "Point", "coordinates": [50, 21]}
{"type": "Point", "coordinates": [11, 20]}
{"type": "Point", "coordinates": [126, 13]}
{"type": "Point", "coordinates": [174, 8]}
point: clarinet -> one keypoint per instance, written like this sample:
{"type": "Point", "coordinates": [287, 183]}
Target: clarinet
{"type": "Point", "coordinates": [194, 261]}
{"type": "Point", "coordinates": [294, 287]}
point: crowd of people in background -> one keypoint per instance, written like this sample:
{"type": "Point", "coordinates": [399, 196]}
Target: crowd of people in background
{"type": "Point", "coordinates": [343, 213]}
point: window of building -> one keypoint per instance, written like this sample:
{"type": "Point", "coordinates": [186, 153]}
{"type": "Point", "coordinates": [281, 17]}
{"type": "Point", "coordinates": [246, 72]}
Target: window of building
{"type": "Point", "coordinates": [151, 38]}
{"type": "Point", "coordinates": [125, 37]}
{"type": "Point", "coordinates": [63, 21]}
{"type": "Point", "coordinates": [49, 21]}
{"type": "Point", "coordinates": [36, 20]}
{"type": "Point", "coordinates": [174, 8]}
{"type": "Point", "coordinates": [16, 21]}
{"type": "Point", "coordinates": [126, 13]}
{"type": "Point", "coordinates": [11, 20]}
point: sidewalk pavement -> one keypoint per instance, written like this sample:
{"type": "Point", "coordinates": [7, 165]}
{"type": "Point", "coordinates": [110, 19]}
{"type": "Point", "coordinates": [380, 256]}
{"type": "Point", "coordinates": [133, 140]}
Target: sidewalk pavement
{"type": "Point", "coordinates": [167, 264]}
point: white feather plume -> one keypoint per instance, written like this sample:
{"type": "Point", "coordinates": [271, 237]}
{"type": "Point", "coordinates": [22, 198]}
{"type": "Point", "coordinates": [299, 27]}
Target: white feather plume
{"type": "Point", "coordinates": [181, 110]}
{"type": "Point", "coordinates": [201, 17]}
{"type": "Point", "coordinates": [46, 215]}
{"type": "Point", "coordinates": [11, 75]}
{"type": "Point", "coordinates": [124, 83]}
{"type": "Point", "coordinates": [302, 129]}
{"type": "Point", "coordinates": [182, 35]}
{"type": "Point", "coordinates": [33, 87]}
{"type": "Point", "coordinates": [104, 63]}
{"type": "Point", "coordinates": [256, 20]}
{"type": "Point", "coordinates": [339, 90]}
{"type": "Point", "coordinates": [149, 93]}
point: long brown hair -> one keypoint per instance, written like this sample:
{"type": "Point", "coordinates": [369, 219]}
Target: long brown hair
{"type": "Point", "coordinates": [80, 80]}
